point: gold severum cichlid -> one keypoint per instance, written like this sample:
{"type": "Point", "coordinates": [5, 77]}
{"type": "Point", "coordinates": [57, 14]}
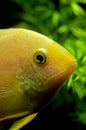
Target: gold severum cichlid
{"type": "Point", "coordinates": [32, 68]}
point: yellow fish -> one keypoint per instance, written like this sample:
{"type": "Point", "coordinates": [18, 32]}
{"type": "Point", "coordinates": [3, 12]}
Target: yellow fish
{"type": "Point", "coordinates": [32, 68]}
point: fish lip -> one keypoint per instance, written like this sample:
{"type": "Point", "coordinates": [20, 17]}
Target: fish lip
{"type": "Point", "coordinates": [64, 73]}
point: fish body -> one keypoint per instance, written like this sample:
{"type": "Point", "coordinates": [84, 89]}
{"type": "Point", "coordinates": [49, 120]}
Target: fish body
{"type": "Point", "coordinates": [32, 68]}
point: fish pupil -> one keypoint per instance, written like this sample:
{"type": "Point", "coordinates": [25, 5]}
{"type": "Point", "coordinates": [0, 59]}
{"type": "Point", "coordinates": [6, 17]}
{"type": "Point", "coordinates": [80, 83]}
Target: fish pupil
{"type": "Point", "coordinates": [40, 58]}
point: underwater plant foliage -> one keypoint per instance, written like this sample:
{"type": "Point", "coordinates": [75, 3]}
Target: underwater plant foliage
{"type": "Point", "coordinates": [65, 22]}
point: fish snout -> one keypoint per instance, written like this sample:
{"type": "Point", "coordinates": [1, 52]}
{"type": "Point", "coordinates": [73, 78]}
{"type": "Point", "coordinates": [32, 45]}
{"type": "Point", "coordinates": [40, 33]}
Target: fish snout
{"type": "Point", "coordinates": [63, 61]}
{"type": "Point", "coordinates": [66, 67]}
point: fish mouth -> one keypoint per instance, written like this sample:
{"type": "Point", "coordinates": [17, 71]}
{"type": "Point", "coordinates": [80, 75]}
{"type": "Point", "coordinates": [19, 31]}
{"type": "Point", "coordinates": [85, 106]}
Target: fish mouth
{"type": "Point", "coordinates": [62, 76]}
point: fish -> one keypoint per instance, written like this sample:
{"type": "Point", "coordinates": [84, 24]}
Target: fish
{"type": "Point", "coordinates": [32, 68]}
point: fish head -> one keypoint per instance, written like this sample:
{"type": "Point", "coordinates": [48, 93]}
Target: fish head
{"type": "Point", "coordinates": [52, 64]}
{"type": "Point", "coordinates": [49, 65]}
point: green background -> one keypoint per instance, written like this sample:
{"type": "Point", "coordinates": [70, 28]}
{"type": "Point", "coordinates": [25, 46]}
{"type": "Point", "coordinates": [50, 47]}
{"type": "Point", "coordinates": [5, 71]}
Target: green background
{"type": "Point", "coordinates": [65, 22]}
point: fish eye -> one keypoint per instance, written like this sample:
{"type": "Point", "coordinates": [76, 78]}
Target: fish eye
{"type": "Point", "coordinates": [40, 56]}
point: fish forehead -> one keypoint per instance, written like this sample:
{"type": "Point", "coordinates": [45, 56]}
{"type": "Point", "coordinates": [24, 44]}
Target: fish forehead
{"type": "Point", "coordinates": [21, 42]}
{"type": "Point", "coordinates": [28, 36]}
{"type": "Point", "coordinates": [19, 45]}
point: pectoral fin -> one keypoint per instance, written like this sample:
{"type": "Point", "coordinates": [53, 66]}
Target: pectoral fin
{"type": "Point", "coordinates": [20, 123]}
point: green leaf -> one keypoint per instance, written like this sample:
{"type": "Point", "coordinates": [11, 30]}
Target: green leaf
{"type": "Point", "coordinates": [62, 29]}
{"type": "Point", "coordinates": [77, 9]}
{"type": "Point", "coordinates": [55, 18]}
